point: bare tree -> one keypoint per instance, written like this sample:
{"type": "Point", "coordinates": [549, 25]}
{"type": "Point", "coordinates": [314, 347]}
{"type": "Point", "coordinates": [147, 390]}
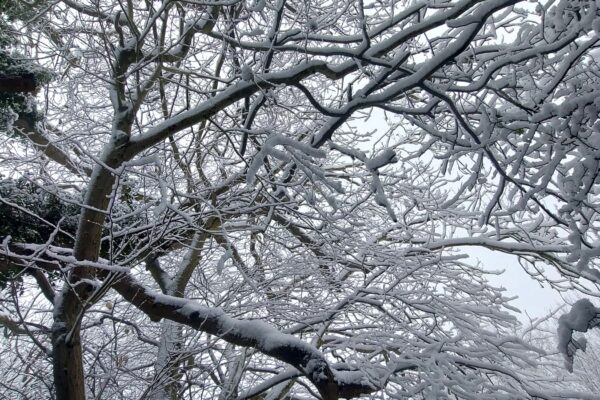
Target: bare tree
{"type": "Point", "coordinates": [235, 200]}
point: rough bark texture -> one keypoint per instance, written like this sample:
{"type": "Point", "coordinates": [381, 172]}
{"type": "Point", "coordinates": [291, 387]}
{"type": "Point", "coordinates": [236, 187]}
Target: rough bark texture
{"type": "Point", "coordinates": [69, 378]}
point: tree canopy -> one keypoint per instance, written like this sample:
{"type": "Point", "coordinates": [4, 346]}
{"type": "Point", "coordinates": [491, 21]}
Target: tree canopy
{"type": "Point", "coordinates": [277, 199]}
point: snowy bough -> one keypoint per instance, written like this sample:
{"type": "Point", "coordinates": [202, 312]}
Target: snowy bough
{"type": "Point", "coordinates": [277, 199]}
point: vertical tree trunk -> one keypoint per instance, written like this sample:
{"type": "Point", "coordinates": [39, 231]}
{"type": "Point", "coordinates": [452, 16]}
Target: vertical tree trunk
{"type": "Point", "coordinates": [67, 362]}
{"type": "Point", "coordinates": [235, 370]}
{"type": "Point", "coordinates": [166, 368]}
{"type": "Point", "coordinates": [69, 379]}
{"type": "Point", "coordinates": [168, 363]}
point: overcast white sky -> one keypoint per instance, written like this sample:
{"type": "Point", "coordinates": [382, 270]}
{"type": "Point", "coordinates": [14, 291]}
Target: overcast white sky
{"type": "Point", "coordinates": [534, 300]}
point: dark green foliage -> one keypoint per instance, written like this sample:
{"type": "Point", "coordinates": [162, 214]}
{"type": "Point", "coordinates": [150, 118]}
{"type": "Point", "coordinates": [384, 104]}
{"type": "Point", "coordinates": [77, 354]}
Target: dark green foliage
{"type": "Point", "coordinates": [23, 209]}
{"type": "Point", "coordinates": [29, 227]}
{"type": "Point", "coordinates": [16, 105]}
{"type": "Point", "coordinates": [32, 214]}
{"type": "Point", "coordinates": [12, 11]}
{"type": "Point", "coordinates": [14, 66]}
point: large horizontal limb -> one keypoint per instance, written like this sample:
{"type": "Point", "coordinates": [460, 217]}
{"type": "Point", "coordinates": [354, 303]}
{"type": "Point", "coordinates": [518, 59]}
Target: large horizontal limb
{"type": "Point", "coordinates": [306, 358]}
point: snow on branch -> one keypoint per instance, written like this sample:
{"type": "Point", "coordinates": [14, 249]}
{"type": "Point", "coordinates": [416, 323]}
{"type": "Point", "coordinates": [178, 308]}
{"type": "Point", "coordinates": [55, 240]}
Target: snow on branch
{"type": "Point", "coordinates": [306, 358]}
{"type": "Point", "coordinates": [582, 317]}
{"type": "Point", "coordinates": [385, 157]}
{"type": "Point", "coordinates": [303, 356]}
{"type": "Point", "coordinates": [268, 149]}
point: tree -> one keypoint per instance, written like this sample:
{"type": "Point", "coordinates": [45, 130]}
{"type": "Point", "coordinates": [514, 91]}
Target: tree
{"type": "Point", "coordinates": [274, 193]}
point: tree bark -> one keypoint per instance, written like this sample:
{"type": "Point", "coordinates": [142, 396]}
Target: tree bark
{"type": "Point", "coordinates": [167, 365]}
{"type": "Point", "coordinates": [69, 377]}
{"type": "Point", "coordinates": [67, 363]}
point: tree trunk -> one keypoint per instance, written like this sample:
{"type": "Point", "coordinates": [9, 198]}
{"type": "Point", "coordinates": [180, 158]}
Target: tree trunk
{"type": "Point", "coordinates": [69, 379]}
{"type": "Point", "coordinates": [167, 372]}
{"type": "Point", "coordinates": [67, 362]}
